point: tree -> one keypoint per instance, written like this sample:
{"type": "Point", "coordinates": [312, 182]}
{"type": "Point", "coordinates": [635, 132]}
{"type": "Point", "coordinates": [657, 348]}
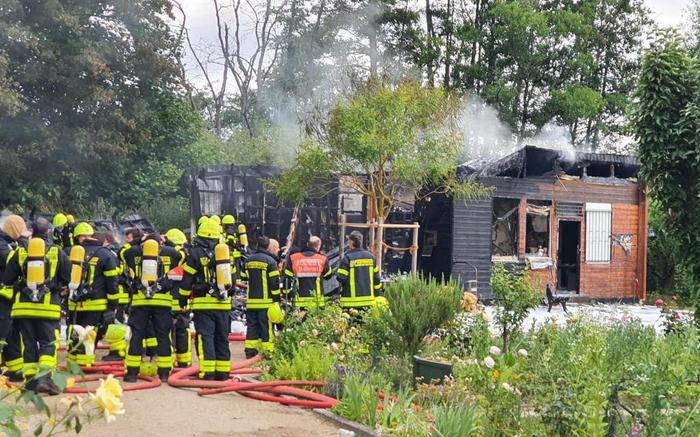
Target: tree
{"type": "Point", "coordinates": [91, 103]}
{"type": "Point", "coordinates": [516, 296]}
{"type": "Point", "coordinates": [666, 120]}
{"type": "Point", "coordinates": [382, 140]}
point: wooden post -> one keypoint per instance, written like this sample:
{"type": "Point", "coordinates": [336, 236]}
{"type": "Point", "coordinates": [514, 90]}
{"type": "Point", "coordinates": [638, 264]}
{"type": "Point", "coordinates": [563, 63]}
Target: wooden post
{"type": "Point", "coordinates": [414, 251]}
{"type": "Point", "coordinates": [342, 235]}
{"type": "Point", "coordinates": [372, 234]}
{"type": "Point", "coordinates": [380, 240]}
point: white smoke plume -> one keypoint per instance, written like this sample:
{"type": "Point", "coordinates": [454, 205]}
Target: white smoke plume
{"type": "Point", "coordinates": [487, 137]}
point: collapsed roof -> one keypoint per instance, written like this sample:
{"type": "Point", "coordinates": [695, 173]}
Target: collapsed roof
{"type": "Point", "coordinates": [532, 161]}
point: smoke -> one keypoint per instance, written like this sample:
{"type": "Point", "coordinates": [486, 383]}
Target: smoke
{"type": "Point", "coordinates": [487, 137]}
{"type": "Point", "coordinates": [317, 67]}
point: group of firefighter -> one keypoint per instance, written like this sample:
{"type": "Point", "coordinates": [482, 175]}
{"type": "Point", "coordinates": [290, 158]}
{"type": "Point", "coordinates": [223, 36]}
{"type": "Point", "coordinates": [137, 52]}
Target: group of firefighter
{"type": "Point", "coordinates": [141, 297]}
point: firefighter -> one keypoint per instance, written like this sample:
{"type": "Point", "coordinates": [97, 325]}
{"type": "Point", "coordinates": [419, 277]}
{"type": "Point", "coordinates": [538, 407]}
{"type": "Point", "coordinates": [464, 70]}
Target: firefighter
{"type": "Point", "coordinates": [358, 275]}
{"type": "Point", "coordinates": [67, 232]}
{"type": "Point", "coordinates": [38, 271]}
{"type": "Point", "coordinates": [59, 223]}
{"type": "Point", "coordinates": [304, 274]}
{"type": "Point", "coordinates": [208, 278]}
{"type": "Point", "coordinates": [182, 334]}
{"type": "Point", "coordinates": [228, 222]}
{"type": "Point", "coordinates": [263, 291]}
{"type": "Point", "coordinates": [119, 300]}
{"type": "Point", "coordinates": [89, 304]}
{"type": "Point", "coordinates": [14, 231]}
{"type": "Point", "coordinates": [151, 303]}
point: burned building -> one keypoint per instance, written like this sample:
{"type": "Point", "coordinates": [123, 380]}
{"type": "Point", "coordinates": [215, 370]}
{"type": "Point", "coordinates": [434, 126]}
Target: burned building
{"type": "Point", "coordinates": [578, 222]}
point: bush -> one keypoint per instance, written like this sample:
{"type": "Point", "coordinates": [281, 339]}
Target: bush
{"type": "Point", "coordinates": [516, 296]}
{"type": "Point", "coordinates": [418, 307]}
{"type": "Point", "coordinates": [311, 362]}
{"type": "Point", "coordinates": [166, 213]}
{"type": "Point", "coordinates": [456, 421]}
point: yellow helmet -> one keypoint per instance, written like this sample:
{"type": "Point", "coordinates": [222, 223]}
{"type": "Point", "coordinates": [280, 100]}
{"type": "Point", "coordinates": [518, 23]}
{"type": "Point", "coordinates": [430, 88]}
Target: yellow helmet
{"type": "Point", "coordinates": [209, 229]}
{"type": "Point", "coordinates": [116, 332]}
{"type": "Point", "coordinates": [83, 229]}
{"type": "Point", "coordinates": [216, 219]}
{"type": "Point", "coordinates": [176, 236]}
{"type": "Point", "coordinates": [202, 219]}
{"type": "Point", "coordinates": [148, 369]}
{"type": "Point", "coordinates": [70, 218]}
{"type": "Point", "coordinates": [275, 313]}
{"type": "Point", "coordinates": [228, 220]}
{"type": "Point", "coordinates": [59, 220]}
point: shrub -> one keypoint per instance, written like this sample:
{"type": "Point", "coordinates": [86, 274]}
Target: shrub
{"type": "Point", "coordinates": [516, 296]}
{"type": "Point", "coordinates": [456, 421]}
{"type": "Point", "coordinates": [311, 362]}
{"type": "Point", "coordinates": [418, 307]}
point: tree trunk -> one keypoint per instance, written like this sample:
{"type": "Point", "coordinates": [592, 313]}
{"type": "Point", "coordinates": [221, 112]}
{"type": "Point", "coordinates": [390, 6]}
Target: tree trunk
{"type": "Point", "coordinates": [430, 33]}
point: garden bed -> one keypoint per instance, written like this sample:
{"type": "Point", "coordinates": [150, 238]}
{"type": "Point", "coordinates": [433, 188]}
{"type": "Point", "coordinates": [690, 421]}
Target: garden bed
{"type": "Point", "coordinates": [574, 376]}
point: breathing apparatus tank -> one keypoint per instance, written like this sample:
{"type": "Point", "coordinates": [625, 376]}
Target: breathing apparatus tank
{"type": "Point", "coordinates": [242, 235]}
{"type": "Point", "coordinates": [77, 257]}
{"type": "Point", "coordinates": [149, 267]}
{"type": "Point", "coordinates": [222, 259]}
{"type": "Point", "coordinates": [36, 266]}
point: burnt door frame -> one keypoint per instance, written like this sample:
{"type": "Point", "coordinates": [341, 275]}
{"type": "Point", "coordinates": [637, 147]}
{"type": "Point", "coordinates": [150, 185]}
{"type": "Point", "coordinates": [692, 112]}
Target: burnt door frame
{"type": "Point", "coordinates": [566, 267]}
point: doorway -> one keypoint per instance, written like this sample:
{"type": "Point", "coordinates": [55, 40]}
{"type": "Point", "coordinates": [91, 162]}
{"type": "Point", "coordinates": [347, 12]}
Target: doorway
{"type": "Point", "coordinates": [568, 258]}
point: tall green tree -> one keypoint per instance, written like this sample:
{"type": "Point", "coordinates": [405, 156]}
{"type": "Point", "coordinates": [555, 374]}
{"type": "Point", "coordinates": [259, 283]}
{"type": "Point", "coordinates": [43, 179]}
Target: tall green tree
{"type": "Point", "coordinates": [666, 121]}
{"type": "Point", "coordinates": [89, 102]}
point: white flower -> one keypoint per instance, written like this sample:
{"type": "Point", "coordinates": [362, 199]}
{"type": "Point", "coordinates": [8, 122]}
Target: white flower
{"type": "Point", "coordinates": [522, 353]}
{"type": "Point", "coordinates": [495, 350]}
{"type": "Point", "coordinates": [507, 387]}
{"type": "Point", "coordinates": [314, 332]}
{"type": "Point", "coordinates": [489, 362]}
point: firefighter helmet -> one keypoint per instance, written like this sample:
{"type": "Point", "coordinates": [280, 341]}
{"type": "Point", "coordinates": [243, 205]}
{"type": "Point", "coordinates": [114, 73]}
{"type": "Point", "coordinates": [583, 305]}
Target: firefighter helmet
{"type": "Point", "coordinates": [83, 229]}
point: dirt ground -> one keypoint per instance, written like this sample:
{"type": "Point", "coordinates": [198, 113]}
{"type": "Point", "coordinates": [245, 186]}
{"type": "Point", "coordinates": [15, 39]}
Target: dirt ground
{"type": "Point", "coordinates": [167, 411]}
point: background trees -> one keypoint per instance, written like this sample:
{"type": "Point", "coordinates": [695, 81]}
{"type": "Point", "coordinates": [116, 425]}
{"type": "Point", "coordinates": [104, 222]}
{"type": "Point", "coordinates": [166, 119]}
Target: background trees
{"type": "Point", "coordinates": [666, 121]}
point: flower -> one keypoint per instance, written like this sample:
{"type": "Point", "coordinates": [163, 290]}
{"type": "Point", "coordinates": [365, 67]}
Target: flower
{"type": "Point", "coordinates": [108, 398]}
{"type": "Point", "coordinates": [112, 385]}
{"type": "Point", "coordinates": [507, 387]}
{"type": "Point", "coordinates": [335, 347]}
{"type": "Point", "coordinates": [314, 332]}
{"type": "Point", "coordinates": [675, 298]}
{"type": "Point", "coordinates": [486, 317]}
{"type": "Point", "coordinates": [522, 353]}
{"type": "Point", "coordinates": [489, 362]}
{"type": "Point", "coordinates": [495, 350]}
{"type": "Point", "coordinates": [70, 382]}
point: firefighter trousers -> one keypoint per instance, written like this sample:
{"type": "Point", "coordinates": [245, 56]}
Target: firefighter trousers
{"type": "Point", "coordinates": [160, 320]}
{"type": "Point", "coordinates": [213, 327]}
{"type": "Point", "coordinates": [259, 335]}
{"type": "Point", "coordinates": [9, 334]}
{"type": "Point", "coordinates": [77, 352]}
{"type": "Point", "coordinates": [182, 339]}
{"type": "Point", "coordinates": [41, 340]}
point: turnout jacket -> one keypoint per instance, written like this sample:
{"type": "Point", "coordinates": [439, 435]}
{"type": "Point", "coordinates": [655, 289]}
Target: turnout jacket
{"type": "Point", "coordinates": [57, 275]}
{"type": "Point", "coordinates": [304, 274]}
{"type": "Point", "coordinates": [260, 269]}
{"type": "Point", "coordinates": [100, 271]}
{"type": "Point", "coordinates": [358, 274]}
{"type": "Point", "coordinates": [199, 279]}
{"type": "Point", "coordinates": [6, 246]}
{"type": "Point", "coordinates": [168, 258]}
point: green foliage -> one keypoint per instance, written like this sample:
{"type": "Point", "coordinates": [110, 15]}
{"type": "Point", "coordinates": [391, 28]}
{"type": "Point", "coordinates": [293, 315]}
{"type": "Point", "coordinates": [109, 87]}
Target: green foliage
{"type": "Point", "coordinates": [166, 213]}
{"type": "Point", "coordinates": [665, 120]}
{"type": "Point", "coordinates": [311, 362]}
{"type": "Point", "coordinates": [516, 296]}
{"type": "Point", "coordinates": [418, 307]}
{"type": "Point", "coordinates": [378, 140]}
{"type": "Point", "coordinates": [91, 105]}
{"type": "Point", "coordinates": [456, 421]}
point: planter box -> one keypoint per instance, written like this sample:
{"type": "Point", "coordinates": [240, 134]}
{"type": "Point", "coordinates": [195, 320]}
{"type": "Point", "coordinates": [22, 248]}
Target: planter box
{"type": "Point", "coordinates": [429, 372]}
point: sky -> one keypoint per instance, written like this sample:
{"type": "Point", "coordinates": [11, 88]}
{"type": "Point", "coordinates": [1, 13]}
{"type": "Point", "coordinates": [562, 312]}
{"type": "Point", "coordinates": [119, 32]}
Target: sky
{"type": "Point", "coordinates": [668, 12]}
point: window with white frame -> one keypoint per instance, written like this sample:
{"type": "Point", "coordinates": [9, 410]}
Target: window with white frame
{"type": "Point", "coordinates": [598, 232]}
